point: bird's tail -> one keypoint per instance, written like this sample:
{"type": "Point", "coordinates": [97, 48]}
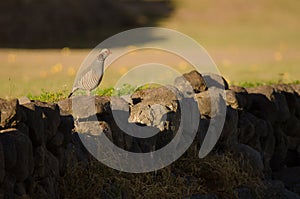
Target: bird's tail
{"type": "Point", "coordinates": [74, 89]}
{"type": "Point", "coordinates": [70, 94]}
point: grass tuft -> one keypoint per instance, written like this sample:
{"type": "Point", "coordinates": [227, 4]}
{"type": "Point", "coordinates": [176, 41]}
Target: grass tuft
{"type": "Point", "coordinates": [47, 96]}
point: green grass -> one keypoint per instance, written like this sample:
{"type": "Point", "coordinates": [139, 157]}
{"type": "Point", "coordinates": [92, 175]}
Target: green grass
{"type": "Point", "coordinates": [247, 84]}
{"type": "Point", "coordinates": [126, 89]}
{"type": "Point", "coordinates": [47, 96]}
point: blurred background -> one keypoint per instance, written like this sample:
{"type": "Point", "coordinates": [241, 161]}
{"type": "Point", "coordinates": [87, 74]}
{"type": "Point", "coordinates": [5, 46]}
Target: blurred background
{"type": "Point", "coordinates": [42, 43]}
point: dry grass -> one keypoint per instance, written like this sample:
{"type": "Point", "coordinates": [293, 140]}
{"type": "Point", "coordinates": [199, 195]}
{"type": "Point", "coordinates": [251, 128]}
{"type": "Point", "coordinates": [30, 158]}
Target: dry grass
{"type": "Point", "coordinates": [219, 174]}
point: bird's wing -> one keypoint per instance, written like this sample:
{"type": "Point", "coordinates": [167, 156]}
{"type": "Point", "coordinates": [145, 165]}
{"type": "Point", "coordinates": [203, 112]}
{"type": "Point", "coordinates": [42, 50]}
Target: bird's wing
{"type": "Point", "coordinates": [85, 70]}
{"type": "Point", "coordinates": [90, 80]}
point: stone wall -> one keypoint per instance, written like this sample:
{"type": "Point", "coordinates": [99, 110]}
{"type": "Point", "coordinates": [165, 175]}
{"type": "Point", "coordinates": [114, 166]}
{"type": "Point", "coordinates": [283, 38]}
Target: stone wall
{"type": "Point", "coordinates": [38, 140]}
{"type": "Point", "coordinates": [34, 141]}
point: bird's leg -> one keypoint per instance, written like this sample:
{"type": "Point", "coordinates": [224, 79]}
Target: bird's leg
{"type": "Point", "coordinates": [88, 93]}
{"type": "Point", "coordinates": [76, 123]}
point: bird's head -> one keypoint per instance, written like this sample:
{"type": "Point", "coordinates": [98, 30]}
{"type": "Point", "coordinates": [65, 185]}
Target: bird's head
{"type": "Point", "coordinates": [103, 54]}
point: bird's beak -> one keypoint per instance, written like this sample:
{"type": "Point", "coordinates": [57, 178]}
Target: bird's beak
{"type": "Point", "coordinates": [109, 52]}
